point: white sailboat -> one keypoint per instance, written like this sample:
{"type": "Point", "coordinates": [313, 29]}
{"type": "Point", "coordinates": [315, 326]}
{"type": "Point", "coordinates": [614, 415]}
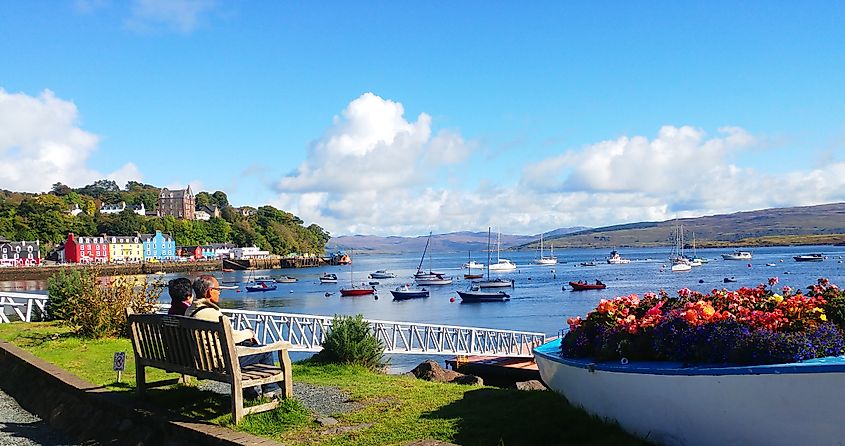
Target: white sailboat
{"type": "Point", "coordinates": [476, 293]}
{"type": "Point", "coordinates": [429, 278]}
{"type": "Point", "coordinates": [501, 264]}
{"type": "Point", "coordinates": [543, 260]}
{"type": "Point", "coordinates": [680, 263]}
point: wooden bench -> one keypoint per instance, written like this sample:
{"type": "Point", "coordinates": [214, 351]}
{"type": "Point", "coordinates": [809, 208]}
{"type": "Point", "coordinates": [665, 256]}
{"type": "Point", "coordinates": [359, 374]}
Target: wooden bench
{"type": "Point", "coordinates": [205, 350]}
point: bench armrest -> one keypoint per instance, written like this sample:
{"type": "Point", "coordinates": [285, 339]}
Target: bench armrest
{"type": "Point", "coordinates": [276, 346]}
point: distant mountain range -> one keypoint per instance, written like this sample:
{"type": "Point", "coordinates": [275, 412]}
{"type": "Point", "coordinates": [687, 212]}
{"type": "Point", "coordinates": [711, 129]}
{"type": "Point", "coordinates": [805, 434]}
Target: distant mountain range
{"type": "Point", "coordinates": [450, 242]}
{"type": "Point", "coordinates": [805, 225]}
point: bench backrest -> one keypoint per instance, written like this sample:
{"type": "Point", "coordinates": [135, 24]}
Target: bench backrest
{"type": "Point", "coordinates": [184, 345]}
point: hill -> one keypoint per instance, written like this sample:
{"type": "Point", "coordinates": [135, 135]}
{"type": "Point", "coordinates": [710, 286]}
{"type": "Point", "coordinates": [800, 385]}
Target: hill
{"type": "Point", "coordinates": [805, 225]}
{"type": "Point", "coordinates": [450, 242]}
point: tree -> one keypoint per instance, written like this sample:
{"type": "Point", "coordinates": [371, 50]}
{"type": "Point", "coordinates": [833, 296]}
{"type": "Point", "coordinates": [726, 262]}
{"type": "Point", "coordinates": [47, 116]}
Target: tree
{"type": "Point", "coordinates": [60, 189]}
{"type": "Point", "coordinates": [203, 199]}
{"type": "Point", "coordinates": [220, 199]}
{"type": "Point", "coordinates": [219, 230]}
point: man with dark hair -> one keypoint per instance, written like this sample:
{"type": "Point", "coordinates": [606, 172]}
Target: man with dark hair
{"type": "Point", "coordinates": [180, 296]}
{"type": "Point", "coordinates": [206, 307]}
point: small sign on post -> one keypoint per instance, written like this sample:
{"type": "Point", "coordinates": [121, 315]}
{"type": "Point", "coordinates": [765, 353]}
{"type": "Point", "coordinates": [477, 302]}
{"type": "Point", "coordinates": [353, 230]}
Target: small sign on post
{"type": "Point", "coordinates": [119, 363]}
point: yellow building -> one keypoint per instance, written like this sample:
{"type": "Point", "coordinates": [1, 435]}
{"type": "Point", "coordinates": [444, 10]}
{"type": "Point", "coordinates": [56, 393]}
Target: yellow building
{"type": "Point", "coordinates": [125, 249]}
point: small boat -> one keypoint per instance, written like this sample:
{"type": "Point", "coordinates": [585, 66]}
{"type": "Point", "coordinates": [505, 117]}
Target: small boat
{"type": "Point", "coordinates": [501, 264]}
{"type": "Point", "coordinates": [228, 270]}
{"type": "Point", "coordinates": [616, 259]}
{"type": "Point", "coordinates": [261, 286]}
{"type": "Point", "coordinates": [374, 282]}
{"type": "Point", "coordinates": [357, 291]}
{"type": "Point", "coordinates": [159, 273]}
{"type": "Point", "coordinates": [682, 267]}
{"type": "Point", "coordinates": [588, 264]}
{"type": "Point", "coordinates": [737, 255]}
{"type": "Point", "coordinates": [674, 404]}
{"type": "Point", "coordinates": [771, 264]}
{"type": "Point", "coordinates": [353, 290]}
{"type": "Point", "coordinates": [476, 294]}
{"type": "Point", "coordinates": [494, 283]}
{"type": "Point", "coordinates": [472, 264]}
{"type": "Point", "coordinates": [286, 279]}
{"type": "Point", "coordinates": [809, 258]}
{"type": "Point", "coordinates": [406, 292]}
{"type": "Point", "coordinates": [228, 287]}
{"type": "Point", "coordinates": [728, 280]}
{"type": "Point", "coordinates": [437, 279]}
{"type": "Point", "coordinates": [582, 286]}
{"type": "Point", "coordinates": [473, 276]}
{"type": "Point", "coordinates": [382, 274]}
{"type": "Point", "coordinates": [328, 278]}
{"type": "Point", "coordinates": [543, 259]}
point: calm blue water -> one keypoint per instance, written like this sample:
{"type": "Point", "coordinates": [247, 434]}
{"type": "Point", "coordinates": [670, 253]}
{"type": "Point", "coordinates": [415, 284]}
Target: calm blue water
{"type": "Point", "coordinates": [537, 301]}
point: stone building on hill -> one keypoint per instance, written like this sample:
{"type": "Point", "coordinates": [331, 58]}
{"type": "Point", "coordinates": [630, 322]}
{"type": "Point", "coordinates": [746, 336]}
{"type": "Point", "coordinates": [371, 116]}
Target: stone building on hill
{"type": "Point", "coordinates": [178, 203]}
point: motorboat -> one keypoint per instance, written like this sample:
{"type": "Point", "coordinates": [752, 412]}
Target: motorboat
{"type": "Point", "coordinates": [728, 280]}
{"type": "Point", "coordinates": [494, 283]}
{"type": "Point", "coordinates": [737, 255]}
{"type": "Point", "coordinates": [261, 286]}
{"type": "Point", "coordinates": [675, 404]}
{"type": "Point", "coordinates": [588, 264]}
{"type": "Point", "coordinates": [475, 294]}
{"type": "Point", "coordinates": [809, 258]}
{"type": "Point", "coordinates": [616, 259]}
{"type": "Point", "coordinates": [473, 276]}
{"type": "Point", "coordinates": [328, 278]}
{"type": "Point", "coordinates": [583, 286]}
{"type": "Point", "coordinates": [472, 264]}
{"type": "Point", "coordinates": [382, 274]}
{"type": "Point", "coordinates": [406, 292]}
{"type": "Point", "coordinates": [681, 267]}
{"type": "Point", "coordinates": [286, 279]}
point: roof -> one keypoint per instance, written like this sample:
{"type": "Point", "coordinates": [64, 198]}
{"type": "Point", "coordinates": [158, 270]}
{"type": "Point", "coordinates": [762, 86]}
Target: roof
{"type": "Point", "coordinates": [175, 193]}
{"type": "Point", "coordinates": [113, 206]}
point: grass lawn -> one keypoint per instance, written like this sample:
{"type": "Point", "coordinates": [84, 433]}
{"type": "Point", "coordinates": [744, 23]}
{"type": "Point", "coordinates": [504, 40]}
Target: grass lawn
{"type": "Point", "coordinates": [395, 409]}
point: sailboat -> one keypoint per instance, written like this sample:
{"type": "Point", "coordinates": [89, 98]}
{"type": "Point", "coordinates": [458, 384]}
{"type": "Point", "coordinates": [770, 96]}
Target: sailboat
{"type": "Point", "coordinates": [696, 260]}
{"type": "Point", "coordinates": [355, 290]}
{"type": "Point", "coordinates": [470, 265]}
{"type": "Point", "coordinates": [475, 293]}
{"type": "Point", "coordinates": [679, 262]}
{"type": "Point", "coordinates": [430, 277]}
{"type": "Point", "coordinates": [501, 264]}
{"type": "Point", "coordinates": [543, 260]}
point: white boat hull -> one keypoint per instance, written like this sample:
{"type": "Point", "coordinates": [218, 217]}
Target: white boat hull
{"type": "Point", "coordinates": [427, 282]}
{"type": "Point", "coordinates": [788, 404]}
{"type": "Point", "coordinates": [546, 261]}
{"type": "Point", "coordinates": [502, 267]}
{"type": "Point", "coordinates": [494, 283]}
{"type": "Point", "coordinates": [681, 267]}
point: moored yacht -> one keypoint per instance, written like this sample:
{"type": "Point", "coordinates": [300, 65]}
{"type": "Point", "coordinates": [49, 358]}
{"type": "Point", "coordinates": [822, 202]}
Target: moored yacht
{"type": "Point", "coordinates": [737, 255]}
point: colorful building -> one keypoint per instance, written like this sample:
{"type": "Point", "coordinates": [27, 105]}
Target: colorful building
{"type": "Point", "coordinates": [20, 253]}
{"type": "Point", "coordinates": [125, 249]}
{"type": "Point", "coordinates": [86, 249]}
{"type": "Point", "coordinates": [158, 246]}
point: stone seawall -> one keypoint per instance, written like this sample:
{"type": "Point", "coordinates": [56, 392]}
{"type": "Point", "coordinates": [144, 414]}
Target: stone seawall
{"type": "Point", "coordinates": [43, 272]}
{"type": "Point", "coordinates": [90, 413]}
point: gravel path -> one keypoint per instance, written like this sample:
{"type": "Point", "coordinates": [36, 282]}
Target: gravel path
{"type": "Point", "coordinates": [21, 428]}
{"type": "Point", "coordinates": [320, 400]}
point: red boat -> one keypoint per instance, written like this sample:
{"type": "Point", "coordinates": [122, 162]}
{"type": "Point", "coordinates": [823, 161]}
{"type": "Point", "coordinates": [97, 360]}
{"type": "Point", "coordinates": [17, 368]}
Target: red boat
{"type": "Point", "coordinates": [355, 291]}
{"type": "Point", "coordinates": [581, 286]}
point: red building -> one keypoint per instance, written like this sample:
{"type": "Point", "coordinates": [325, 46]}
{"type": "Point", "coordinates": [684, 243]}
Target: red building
{"type": "Point", "coordinates": [86, 249]}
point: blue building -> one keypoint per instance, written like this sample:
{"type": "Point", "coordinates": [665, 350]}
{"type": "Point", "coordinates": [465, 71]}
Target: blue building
{"type": "Point", "coordinates": [158, 246]}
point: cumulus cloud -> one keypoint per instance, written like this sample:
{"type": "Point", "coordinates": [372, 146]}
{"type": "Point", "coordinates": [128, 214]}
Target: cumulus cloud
{"type": "Point", "coordinates": [180, 15]}
{"type": "Point", "coordinates": [375, 172]}
{"type": "Point", "coordinates": [41, 143]}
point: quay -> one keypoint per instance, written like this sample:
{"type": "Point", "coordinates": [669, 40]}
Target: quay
{"type": "Point", "coordinates": [45, 271]}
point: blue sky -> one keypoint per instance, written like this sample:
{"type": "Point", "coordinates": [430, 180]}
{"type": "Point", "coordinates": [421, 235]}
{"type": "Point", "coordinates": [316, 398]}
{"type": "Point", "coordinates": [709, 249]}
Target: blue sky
{"type": "Point", "coordinates": [393, 118]}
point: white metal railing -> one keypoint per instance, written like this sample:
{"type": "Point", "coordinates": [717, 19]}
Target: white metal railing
{"type": "Point", "coordinates": [20, 305]}
{"type": "Point", "coordinates": [306, 332]}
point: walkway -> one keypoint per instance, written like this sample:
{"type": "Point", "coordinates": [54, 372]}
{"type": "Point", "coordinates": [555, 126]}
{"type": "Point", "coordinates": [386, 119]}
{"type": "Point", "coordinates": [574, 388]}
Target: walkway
{"type": "Point", "coordinates": [21, 428]}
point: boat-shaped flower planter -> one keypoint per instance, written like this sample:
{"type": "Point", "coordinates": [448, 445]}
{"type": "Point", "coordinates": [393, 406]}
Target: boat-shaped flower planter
{"type": "Point", "coordinates": [782, 404]}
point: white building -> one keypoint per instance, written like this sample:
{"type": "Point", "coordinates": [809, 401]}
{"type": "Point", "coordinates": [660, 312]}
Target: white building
{"type": "Point", "coordinates": [120, 207]}
{"type": "Point", "coordinates": [75, 210]}
{"type": "Point", "coordinates": [249, 252]}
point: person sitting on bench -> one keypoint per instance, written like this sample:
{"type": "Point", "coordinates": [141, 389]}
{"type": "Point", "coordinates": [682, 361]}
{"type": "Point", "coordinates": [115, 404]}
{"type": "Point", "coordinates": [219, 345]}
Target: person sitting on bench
{"type": "Point", "coordinates": [206, 307]}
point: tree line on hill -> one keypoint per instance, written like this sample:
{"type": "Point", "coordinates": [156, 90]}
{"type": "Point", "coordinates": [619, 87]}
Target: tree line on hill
{"type": "Point", "coordinates": [46, 217]}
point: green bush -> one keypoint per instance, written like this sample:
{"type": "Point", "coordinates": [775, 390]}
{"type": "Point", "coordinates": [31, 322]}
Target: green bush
{"type": "Point", "coordinates": [64, 289]}
{"type": "Point", "coordinates": [96, 307]}
{"type": "Point", "coordinates": [350, 341]}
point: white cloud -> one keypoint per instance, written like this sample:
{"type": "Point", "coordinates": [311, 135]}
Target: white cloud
{"type": "Point", "coordinates": [41, 144]}
{"type": "Point", "coordinates": [180, 15]}
{"type": "Point", "coordinates": [374, 172]}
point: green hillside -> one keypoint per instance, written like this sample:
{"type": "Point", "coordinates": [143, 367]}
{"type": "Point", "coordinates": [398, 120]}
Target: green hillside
{"type": "Point", "coordinates": [806, 225]}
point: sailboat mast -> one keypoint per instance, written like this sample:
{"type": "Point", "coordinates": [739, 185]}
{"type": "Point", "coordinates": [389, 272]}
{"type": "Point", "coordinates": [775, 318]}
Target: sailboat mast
{"type": "Point", "coordinates": [419, 267]}
{"type": "Point", "coordinates": [498, 244]}
{"type": "Point", "coordinates": [488, 253]}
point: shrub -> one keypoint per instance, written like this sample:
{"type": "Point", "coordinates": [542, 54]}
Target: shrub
{"type": "Point", "coordinates": [64, 288]}
{"type": "Point", "coordinates": [96, 308]}
{"type": "Point", "coordinates": [350, 341]}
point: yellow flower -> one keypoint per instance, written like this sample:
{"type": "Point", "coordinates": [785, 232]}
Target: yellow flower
{"type": "Point", "coordinates": [777, 298]}
{"type": "Point", "coordinates": [823, 317]}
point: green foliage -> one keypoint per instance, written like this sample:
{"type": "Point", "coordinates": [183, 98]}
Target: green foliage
{"type": "Point", "coordinates": [350, 341]}
{"type": "Point", "coordinates": [64, 289]}
{"type": "Point", "coordinates": [98, 309]}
